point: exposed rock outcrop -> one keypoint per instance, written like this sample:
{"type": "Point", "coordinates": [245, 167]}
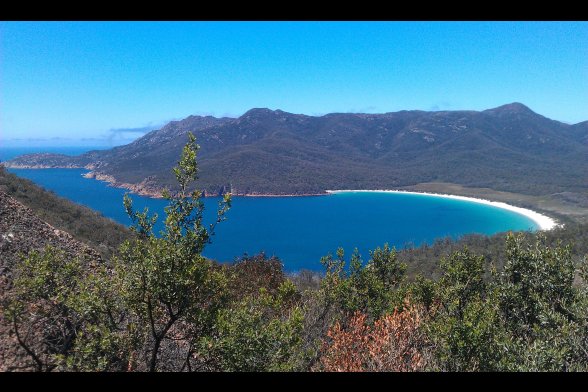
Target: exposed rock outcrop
{"type": "Point", "coordinates": [147, 187]}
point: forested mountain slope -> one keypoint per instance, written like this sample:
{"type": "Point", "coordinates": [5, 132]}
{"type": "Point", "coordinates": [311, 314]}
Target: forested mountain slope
{"type": "Point", "coordinates": [509, 148]}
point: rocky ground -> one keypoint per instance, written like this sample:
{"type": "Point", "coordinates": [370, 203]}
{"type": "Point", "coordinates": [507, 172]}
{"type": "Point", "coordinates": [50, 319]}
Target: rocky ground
{"type": "Point", "coordinates": [21, 231]}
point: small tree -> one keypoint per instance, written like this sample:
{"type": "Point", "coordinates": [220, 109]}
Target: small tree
{"type": "Point", "coordinates": [160, 290]}
{"type": "Point", "coordinates": [536, 285]}
{"type": "Point", "coordinates": [543, 310]}
{"type": "Point", "coordinates": [465, 326]}
{"type": "Point", "coordinates": [165, 281]}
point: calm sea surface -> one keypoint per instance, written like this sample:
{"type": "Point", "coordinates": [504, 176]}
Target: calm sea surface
{"type": "Point", "coordinates": [300, 230]}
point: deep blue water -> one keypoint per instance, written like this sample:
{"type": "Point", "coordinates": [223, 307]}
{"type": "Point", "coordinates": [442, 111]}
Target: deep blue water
{"type": "Point", "coordinates": [300, 230]}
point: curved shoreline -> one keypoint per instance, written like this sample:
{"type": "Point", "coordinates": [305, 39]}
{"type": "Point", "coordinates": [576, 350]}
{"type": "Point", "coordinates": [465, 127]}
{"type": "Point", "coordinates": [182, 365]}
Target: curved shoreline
{"type": "Point", "coordinates": [543, 221]}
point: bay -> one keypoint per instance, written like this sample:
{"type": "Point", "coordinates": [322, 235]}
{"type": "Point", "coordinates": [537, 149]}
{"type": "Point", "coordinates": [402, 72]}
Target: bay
{"type": "Point", "coordinates": [299, 230]}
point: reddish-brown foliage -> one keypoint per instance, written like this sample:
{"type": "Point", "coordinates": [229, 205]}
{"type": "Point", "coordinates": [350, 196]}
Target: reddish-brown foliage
{"type": "Point", "coordinates": [392, 343]}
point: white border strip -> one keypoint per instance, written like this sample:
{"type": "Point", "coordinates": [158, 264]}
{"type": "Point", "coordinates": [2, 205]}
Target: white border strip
{"type": "Point", "coordinates": [543, 221]}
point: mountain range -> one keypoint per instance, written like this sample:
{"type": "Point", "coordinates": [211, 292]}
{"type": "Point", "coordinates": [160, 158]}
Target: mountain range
{"type": "Point", "coordinates": [508, 148]}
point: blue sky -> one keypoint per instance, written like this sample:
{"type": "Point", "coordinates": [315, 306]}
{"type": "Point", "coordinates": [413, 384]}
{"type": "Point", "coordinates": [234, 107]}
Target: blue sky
{"type": "Point", "coordinates": [83, 81]}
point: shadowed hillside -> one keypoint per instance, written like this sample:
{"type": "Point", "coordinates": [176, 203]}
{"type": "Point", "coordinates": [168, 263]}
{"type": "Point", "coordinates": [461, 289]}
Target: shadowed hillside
{"type": "Point", "coordinates": [509, 148]}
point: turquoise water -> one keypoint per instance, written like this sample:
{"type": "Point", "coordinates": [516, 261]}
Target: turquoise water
{"type": "Point", "coordinates": [300, 230]}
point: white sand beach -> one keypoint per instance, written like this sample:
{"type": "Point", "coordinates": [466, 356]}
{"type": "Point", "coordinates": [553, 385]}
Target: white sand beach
{"type": "Point", "coordinates": [543, 221]}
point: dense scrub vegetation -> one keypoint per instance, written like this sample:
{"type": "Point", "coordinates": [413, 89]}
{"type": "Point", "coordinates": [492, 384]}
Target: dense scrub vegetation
{"type": "Point", "coordinates": [83, 223]}
{"type": "Point", "coordinates": [158, 305]}
{"type": "Point", "coordinates": [421, 260]}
